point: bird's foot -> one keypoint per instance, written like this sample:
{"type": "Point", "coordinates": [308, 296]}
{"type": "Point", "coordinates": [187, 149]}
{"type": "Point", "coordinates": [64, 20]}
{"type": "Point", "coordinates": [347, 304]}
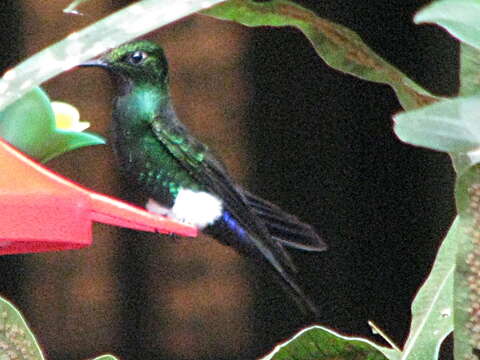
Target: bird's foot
{"type": "Point", "coordinates": [154, 207]}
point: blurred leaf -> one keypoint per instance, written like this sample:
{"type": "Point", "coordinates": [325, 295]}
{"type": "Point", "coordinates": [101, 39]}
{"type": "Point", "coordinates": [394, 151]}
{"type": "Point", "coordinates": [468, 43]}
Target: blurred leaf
{"type": "Point", "coordinates": [449, 125]}
{"type": "Point", "coordinates": [16, 339]}
{"type": "Point", "coordinates": [459, 17]}
{"type": "Point", "coordinates": [432, 308]}
{"type": "Point", "coordinates": [444, 13]}
{"type": "Point", "coordinates": [29, 124]}
{"type": "Point", "coordinates": [317, 342]}
{"type": "Point", "coordinates": [106, 357]}
{"type": "Point", "coordinates": [467, 272]}
{"type": "Point", "coordinates": [338, 46]}
{"type": "Point", "coordinates": [469, 70]}
{"type": "Point", "coordinates": [131, 22]}
{"type": "Point", "coordinates": [72, 7]}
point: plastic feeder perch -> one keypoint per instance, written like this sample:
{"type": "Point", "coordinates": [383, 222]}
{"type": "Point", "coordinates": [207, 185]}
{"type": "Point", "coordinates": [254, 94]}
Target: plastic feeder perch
{"type": "Point", "coordinates": [43, 211]}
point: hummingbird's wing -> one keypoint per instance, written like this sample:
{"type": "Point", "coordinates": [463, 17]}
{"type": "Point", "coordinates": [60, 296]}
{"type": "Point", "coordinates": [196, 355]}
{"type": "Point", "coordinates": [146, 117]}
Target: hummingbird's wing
{"type": "Point", "coordinates": [284, 227]}
{"type": "Point", "coordinates": [208, 171]}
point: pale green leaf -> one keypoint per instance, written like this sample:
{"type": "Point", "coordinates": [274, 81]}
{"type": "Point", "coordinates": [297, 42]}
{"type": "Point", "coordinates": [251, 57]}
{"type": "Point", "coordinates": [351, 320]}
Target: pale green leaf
{"type": "Point", "coordinates": [458, 17]}
{"type": "Point", "coordinates": [451, 125]}
{"type": "Point", "coordinates": [469, 70]}
{"type": "Point", "coordinates": [131, 22]}
{"type": "Point", "coordinates": [432, 308]}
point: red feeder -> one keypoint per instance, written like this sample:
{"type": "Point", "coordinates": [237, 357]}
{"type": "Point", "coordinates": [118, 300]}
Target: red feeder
{"type": "Point", "coordinates": [43, 211]}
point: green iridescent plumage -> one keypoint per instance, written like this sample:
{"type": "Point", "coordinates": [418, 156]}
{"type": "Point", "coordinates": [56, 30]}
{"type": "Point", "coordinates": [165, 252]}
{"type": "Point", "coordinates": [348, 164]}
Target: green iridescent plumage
{"type": "Point", "coordinates": [157, 153]}
{"type": "Point", "coordinates": [142, 106]}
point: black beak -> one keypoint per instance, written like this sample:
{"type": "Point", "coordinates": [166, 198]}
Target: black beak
{"type": "Point", "coordinates": [94, 62]}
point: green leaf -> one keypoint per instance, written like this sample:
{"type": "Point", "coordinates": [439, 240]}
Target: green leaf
{"type": "Point", "coordinates": [432, 308]}
{"type": "Point", "coordinates": [131, 22]}
{"type": "Point", "coordinates": [16, 339]}
{"type": "Point", "coordinates": [317, 342]}
{"type": "Point", "coordinates": [467, 273]}
{"type": "Point", "coordinates": [449, 125]}
{"type": "Point", "coordinates": [29, 124]}
{"type": "Point", "coordinates": [458, 17]}
{"type": "Point", "coordinates": [338, 46]}
{"type": "Point", "coordinates": [106, 357]}
{"type": "Point", "coordinates": [469, 70]}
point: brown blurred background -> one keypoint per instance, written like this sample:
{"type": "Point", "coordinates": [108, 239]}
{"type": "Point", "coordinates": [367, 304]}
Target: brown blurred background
{"type": "Point", "coordinates": [315, 141]}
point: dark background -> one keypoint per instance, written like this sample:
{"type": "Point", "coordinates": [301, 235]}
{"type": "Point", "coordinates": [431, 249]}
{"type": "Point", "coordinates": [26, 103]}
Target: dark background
{"type": "Point", "coordinates": [382, 206]}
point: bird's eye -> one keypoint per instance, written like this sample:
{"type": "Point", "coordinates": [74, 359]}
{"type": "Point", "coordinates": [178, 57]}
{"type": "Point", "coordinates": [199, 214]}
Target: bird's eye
{"type": "Point", "coordinates": [137, 57]}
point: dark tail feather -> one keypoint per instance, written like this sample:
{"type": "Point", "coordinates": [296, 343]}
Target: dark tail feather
{"type": "Point", "coordinates": [285, 228]}
{"type": "Point", "coordinates": [304, 303]}
{"type": "Point", "coordinates": [266, 251]}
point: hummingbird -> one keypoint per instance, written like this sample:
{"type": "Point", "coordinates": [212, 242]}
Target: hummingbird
{"type": "Point", "coordinates": [181, 176]}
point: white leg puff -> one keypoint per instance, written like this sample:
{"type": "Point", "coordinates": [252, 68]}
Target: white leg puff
{"type": "Point", "coordinates": [197, 208]}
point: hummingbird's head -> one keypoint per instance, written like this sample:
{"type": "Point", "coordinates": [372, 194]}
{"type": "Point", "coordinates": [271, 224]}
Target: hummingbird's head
{"type": "Point", "coordinates": [138, 62]}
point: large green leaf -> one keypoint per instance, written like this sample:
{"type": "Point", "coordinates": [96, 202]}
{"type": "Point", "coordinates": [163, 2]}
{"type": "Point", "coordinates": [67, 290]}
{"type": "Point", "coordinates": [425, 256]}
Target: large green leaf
{"type": "Point", "coordinates": [29, 124]}
{"type": "Point", "coordinates": [459, 17]}
{"type": "Point", "coordinates": [338, 46]}
{"type": "Point", "coordinates": [16, 339]}
{"type": "Point", "coordinates": [317, 342]}
{"type": "Point", "coordinates": [432, 308]}
{"type": "Point", "coordinates": [133, 21]}
{"type": "Point", "coordinates": [450, 125]}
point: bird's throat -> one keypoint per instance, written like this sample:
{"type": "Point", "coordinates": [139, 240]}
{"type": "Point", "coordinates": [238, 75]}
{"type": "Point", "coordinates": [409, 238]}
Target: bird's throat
{"type": "Point", "coordinates": [134, 142]}
{"type": "Point", "coordinates": [141, 105]}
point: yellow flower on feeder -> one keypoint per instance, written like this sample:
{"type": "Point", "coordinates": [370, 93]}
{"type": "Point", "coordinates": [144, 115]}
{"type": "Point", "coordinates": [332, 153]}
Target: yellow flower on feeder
{"type": "Point", "coordinates": [67, 117]}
